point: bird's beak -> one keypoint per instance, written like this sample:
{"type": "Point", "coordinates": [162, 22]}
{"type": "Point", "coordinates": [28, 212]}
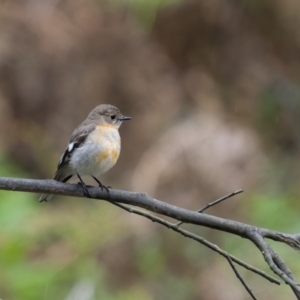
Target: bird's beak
{"type": "Point", "coordinates": [123, 118]}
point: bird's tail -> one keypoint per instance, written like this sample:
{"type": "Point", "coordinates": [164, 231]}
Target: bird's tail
{"type": "Point", "coordinates": [62, 175]}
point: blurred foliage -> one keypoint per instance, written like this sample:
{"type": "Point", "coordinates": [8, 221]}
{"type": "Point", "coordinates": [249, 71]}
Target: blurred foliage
{"type": "Point", "coordinates": [267, 208]}
{"type": "Point", "coordinates": [144, 11]}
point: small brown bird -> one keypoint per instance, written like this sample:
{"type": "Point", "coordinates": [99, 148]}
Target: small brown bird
{"type": "Point", "coordinates": [93, 149]}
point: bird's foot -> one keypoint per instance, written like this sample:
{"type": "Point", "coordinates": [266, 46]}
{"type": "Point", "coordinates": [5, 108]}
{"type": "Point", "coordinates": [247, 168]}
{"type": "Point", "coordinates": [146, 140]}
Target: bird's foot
{"type": "Point", "coordinates": [102, 186]}
{"type": "Point", "coordinates": [85, 190]}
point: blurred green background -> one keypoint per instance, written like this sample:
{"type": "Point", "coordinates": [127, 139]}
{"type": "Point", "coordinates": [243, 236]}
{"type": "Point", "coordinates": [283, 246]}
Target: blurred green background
{"type": "Point", "coordinates": [213, 88]}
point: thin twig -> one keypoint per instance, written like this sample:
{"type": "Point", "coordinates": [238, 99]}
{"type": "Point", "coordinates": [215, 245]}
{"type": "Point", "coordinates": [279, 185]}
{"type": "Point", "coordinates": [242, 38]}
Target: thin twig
{"type": "Point", "coordinates": [197, 238]}
{"type": "Point", "coordinates": [215, 203]}
{"type": "Point", "coordinates": [238, 275]}
{"type": "Point", "coordinates": [219, 200]}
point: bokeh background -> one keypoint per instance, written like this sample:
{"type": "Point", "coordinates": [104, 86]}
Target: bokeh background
{"type": "Point", "coordinates": [213, 88]}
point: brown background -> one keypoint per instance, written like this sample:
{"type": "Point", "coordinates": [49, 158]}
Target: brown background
{"type": "Point", "coordinates": [213, 90]}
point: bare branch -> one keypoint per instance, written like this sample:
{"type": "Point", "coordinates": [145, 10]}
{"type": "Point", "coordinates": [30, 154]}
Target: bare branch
{"type": "Point", "coordinates": [219, 200]}
{"type": "Point", "coordinates": [283, 267]}
{"type": "Point", "coordinates": [215, 203]}
{"type": "Point", "coordinates": [238, 275]}
{"type": "Point", "coordinates": [255, 234]}
{"type": "Point", "coordinates": [197, 238]}
{"type": "Point", "coordinates": [271, 258]}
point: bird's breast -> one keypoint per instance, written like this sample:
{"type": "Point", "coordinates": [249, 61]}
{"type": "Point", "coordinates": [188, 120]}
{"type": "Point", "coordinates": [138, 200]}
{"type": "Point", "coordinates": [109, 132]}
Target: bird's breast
{"type": "Point", "coordinates": [108, 143]}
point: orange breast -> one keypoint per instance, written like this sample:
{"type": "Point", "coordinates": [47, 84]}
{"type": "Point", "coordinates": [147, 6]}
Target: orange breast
{"type": "Point", "coordinates": [108, 139]}
{"type": "Point", "coordinates": [110, 153]}
{"type": "Point", "coordinates": [107, 158]}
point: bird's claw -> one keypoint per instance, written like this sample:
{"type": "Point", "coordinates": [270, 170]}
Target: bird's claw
{"type": "Point", "coordinates": [85, 190]}
{"type": "Point", "coordinates": [103, 187]}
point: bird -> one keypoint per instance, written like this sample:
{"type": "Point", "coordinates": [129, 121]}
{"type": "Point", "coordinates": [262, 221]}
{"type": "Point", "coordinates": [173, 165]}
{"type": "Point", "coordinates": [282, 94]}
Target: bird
{"type": "Point", "coordinates": [93, 148]}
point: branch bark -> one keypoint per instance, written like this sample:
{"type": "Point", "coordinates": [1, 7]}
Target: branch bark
{"type": "Point", "coordinates": [255, 234]}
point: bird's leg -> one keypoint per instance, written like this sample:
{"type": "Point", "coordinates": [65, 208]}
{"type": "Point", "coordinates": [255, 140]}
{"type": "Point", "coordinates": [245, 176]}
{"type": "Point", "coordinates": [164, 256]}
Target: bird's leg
{"type": "Point", "coordinates": [101, 185]}
{"type": "Point", "coordinates": [84, 187]}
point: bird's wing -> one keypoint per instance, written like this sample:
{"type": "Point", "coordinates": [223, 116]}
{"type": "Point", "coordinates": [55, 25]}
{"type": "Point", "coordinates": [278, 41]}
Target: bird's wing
{"type": "Point", "coordinates": [77, 139]}
{"type": "Point", "coordinates": [63, 172]}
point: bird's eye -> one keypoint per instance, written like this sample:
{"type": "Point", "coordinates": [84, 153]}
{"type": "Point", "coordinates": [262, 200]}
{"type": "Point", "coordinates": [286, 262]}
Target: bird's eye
{"type": "Point", "coordinates": [113, 117]}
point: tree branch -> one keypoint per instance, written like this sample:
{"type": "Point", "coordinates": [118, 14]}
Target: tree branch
{"type": "Point", "coordinates": [197, 238]}
{"type": "Point", "coordinates": [238, 275]}
{"type": "Point", "coordinates": [255, 234]}
{"type": "Point", "coordinates": [215, 203]}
